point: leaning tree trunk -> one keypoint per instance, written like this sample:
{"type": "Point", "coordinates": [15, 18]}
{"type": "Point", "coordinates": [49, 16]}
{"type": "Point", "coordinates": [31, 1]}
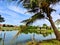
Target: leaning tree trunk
{"type": "Point", "coordinates": [57, 34]}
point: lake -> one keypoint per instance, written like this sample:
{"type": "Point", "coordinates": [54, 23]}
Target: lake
{"type": "Point", "coordinates": [7, 37]}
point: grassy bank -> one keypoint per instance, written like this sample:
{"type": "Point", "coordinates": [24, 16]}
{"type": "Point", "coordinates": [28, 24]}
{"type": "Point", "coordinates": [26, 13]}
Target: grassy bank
{"type": "Point", "coordinates": [46, 42]}
{"type": "Point", "coordinates": [45, 32]}
{"type": "Point", "coordinates": [9, 28]}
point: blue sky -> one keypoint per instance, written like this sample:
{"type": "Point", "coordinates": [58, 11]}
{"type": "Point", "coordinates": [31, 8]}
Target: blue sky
{"type": "Point", "coordinates": [15, 14]}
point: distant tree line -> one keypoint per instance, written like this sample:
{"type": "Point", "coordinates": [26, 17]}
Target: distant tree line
{"type": "Point", "coordinates": [35, 27]}
{"type": "Point", "coordinates": [4, 25]}
{"type": "Point", "coordinates": [1, 19]}
{"type": "Point", "coordinates": [46, 27]}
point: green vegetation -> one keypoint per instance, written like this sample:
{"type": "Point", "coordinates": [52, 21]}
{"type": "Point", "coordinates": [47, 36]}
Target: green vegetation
{"type": "Point", "coordinates": [1, 20]}
{"type": "Point", "coordinates": [38, 30]}
{"type": "Point", "coordinates": [57, 22]}
{"type": "Point", "coordinates": [0, 39]}
{"type": "Point", "coordinates": [9, 28]}
{"type": "Point", "coordinates": [35, 29]}
{"type": "Point", "coordinates": [41, 10]}
{"type": "Point", "coordinates": [46, 42]}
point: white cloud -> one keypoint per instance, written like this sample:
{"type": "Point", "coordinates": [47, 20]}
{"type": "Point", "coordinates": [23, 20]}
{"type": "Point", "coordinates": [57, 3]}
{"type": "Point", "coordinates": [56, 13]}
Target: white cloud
{"type": "Point", "coordinates": [19, 10]}
{"type": "Point", "coordinates": [11, 13]}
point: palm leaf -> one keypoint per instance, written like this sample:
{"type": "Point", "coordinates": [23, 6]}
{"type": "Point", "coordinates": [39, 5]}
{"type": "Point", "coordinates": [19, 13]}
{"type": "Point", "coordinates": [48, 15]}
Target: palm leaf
{"type": "Point", "coordinates": [54, 1]}
{"type": "Point", "coordinates": [34, 10]}
{"type": "Point", "coordinates": [30, 5]}
{"type": "Point", "coordinates": [15, 36]}
{"type": "Point", "coordinates": [20, 31]}
{"type": "Point", "coordinates": [34, 18]}
{"type": "Point", "coordinates": [48, 1]}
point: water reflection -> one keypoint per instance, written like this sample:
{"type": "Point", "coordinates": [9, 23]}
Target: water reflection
{"type": "Point", "coordinates": [7, 37]}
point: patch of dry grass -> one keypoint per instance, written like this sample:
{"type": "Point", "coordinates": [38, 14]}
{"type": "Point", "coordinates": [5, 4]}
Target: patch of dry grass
{"type": "Point", "coordinates": [47, 42]}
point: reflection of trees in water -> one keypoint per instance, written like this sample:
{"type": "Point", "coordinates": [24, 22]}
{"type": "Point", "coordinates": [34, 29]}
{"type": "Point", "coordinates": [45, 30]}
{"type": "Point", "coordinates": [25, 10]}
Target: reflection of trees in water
{"type": "Point", "coordinates": [22, 28]}
{"type": "Point", "coordinates": [2, 39]}
{"type": "Point", "coordinates": [33, 37]}
{"type": "Point", "coordinates": [25, 29]}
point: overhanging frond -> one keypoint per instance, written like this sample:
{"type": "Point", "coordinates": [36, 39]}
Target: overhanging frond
{"type": "Point", "coordinates": [36, 10]}
{"type": "Point", "coordinates": [34, 18]}
{"type": "Point", "coordinates": [53, 1]}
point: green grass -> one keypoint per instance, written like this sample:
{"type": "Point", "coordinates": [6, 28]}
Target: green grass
{"type": "Point", "coordinates": [9, 28]}
{"type": "Point", "coordinates": [46, 42]}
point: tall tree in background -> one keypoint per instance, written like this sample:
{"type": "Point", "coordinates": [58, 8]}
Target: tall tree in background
{"type": "Point", "coordinates": [45, 25]}
{"type": "Point", "coordinates": [41, 10]}
{"type": "Point", "coordinates": [1, 20]}
{"type": "Point", "coordinates": [57, 22]}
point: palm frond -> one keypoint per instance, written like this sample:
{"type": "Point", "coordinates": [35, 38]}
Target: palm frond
{"type": "Point", "coordinates": [54, 1]}
{"type": "Point", "coordinates": [16, 35]}
{"type": "Point", "coordinates": [33, 10]}
{"type": "Point", "coordinates": [46, 10]}
{"type": "Point", "coordinates": [34, 18]}
{"type": "Point", "coordinates": [23, 28]}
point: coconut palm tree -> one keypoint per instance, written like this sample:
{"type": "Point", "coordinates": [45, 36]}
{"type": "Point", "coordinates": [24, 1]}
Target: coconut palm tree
{"type": "Point", "coordinates": [41, 10]}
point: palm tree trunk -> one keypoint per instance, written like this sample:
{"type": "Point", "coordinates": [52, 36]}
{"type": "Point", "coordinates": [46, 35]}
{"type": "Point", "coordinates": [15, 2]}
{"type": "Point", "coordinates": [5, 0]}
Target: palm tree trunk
{"type": "Point", "coordinates": [57, 34]}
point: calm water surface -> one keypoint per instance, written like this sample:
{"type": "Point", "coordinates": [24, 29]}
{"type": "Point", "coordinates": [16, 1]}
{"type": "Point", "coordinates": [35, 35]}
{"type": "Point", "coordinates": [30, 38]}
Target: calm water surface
{"type": "Point", "coordinates": [7, 38]}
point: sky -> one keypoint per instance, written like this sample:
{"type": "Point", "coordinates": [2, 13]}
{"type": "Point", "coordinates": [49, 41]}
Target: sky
{"type": "Point", "coordinates": [14, 14]}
